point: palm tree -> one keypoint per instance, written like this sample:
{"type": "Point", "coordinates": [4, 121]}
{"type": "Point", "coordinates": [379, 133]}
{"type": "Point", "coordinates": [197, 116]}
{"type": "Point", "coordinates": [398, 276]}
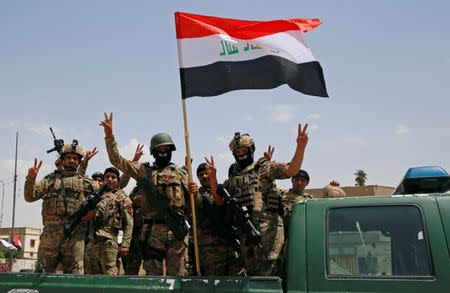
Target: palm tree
{"type": "Point", "coordinates": [361, 177]}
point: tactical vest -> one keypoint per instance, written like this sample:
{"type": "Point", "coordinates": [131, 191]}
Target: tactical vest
{"type": "Point", "coordinates": [64, 196]}
{"type": "Point", "coordinates": [168, 181]}
{"type": "Point", "coordinates": [112, 220]}
{"type": "Point", "coordinates": [272, 198]}
{"type": "Point", "coordinates": [246, 187]}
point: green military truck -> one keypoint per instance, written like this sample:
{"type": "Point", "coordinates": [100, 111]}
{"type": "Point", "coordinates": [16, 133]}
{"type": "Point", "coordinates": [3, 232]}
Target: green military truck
{"type": "Point", "coordinates": [396, 243]}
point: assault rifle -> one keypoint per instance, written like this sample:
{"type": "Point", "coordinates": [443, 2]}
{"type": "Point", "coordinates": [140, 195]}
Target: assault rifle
{"type": "Point", "coordinates": [221, 223]}
{"type": "Point", "coordinates": [89, 204]}
{"type": "Point", "coordinates": [58, 143]}
{"type": "Point", "coordinates": [241, 215]}
{"type": "Point", "coordinates": [173, 218]}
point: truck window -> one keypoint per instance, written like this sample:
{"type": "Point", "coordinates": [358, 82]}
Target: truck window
{"type": "Point", "coordinates": [377, 241]}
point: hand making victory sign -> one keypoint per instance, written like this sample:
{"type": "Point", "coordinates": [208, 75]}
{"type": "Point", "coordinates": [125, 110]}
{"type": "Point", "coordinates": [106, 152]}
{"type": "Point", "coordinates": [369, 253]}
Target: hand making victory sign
{"type": "Point", "coordinates": [33, 171]}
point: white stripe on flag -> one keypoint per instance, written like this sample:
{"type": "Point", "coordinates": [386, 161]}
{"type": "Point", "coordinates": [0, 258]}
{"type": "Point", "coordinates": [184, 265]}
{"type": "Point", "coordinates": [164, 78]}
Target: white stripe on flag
{"type": "Point", "coordinates": [7, 245]}
{"type": "Point", "coordinates": [207, 50]}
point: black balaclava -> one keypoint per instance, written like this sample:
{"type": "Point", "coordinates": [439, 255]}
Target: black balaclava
{"type": "Point", "coordinates": [245, 159]}
{"type": "Point", "coordinates": [162, 159]}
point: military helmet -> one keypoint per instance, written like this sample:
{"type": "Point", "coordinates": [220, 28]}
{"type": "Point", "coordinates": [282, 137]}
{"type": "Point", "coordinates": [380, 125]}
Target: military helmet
{"type": "Point", "coordinates": [160, 139]}
{"type": "Point", "coordinates": [242, 140]}
{"type": "Point", "coordinates": [72, 148]}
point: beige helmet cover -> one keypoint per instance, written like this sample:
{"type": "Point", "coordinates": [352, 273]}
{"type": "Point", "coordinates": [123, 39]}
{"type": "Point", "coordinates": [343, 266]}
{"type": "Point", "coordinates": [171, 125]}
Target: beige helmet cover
{"type": "Point", "coordinates": [242, 140]}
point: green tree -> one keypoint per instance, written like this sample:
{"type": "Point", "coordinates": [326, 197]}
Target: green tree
{"type": "Point", "coordinates": [15, 253]}
{"type": "Point", "coordinates": [361, 177]}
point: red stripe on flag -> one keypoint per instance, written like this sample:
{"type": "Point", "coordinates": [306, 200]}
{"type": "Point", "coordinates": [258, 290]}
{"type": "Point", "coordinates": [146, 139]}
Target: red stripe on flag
{"type": "Point", "coordinates": [196, 26]}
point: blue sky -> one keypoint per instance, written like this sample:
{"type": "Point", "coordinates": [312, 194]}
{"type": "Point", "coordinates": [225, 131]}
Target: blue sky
{"type": "Point", "coordinates": [386, 65]}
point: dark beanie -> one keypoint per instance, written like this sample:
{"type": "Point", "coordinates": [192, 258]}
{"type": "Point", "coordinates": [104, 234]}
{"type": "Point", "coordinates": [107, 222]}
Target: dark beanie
{"type": "Point", "coordinates": [112, 170]}
{"type": "Point", "coordinates": [302, 174]}
{"type": "Point", "coordinates": [201, 167]}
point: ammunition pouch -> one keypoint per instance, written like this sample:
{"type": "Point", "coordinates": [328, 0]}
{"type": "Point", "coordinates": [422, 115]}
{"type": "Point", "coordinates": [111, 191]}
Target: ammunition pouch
{"type": "Point", "coordinates": [117, 223]}
{"type": "Point", "coordinates": [171, 215]}
{"type": "Point", "coordinates": [142, 244]}
{"type": "Point", "coordinates": [177, 224]}
{"type": "Point", "coordinates": [54, 206]}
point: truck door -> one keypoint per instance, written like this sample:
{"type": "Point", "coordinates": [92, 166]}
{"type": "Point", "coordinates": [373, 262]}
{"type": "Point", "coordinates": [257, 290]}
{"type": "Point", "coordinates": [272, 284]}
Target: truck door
{"type": "Point", "coordinates": [444, 211]}
{"type": "Point", "coordinates": [376, 245]}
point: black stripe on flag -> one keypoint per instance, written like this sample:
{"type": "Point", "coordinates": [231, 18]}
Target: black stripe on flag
{"type": "Point", "coordinates": [266, 72]}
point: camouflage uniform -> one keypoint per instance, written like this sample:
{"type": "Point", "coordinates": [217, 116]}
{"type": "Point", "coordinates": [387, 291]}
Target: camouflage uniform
{"type": "Point", "coordinates": [333, 191]}
{"type": "Point", "coordinates": [113, 213]}
{"type": "Point", "coordinates": [218, 257]}
{"type": "Point", "coordinates": [289, 199]}
{"type": "Point", "coordinates": [253, 187]}
{"type": "Point", "coordinates": [90, 252]}
{"type": "Point", "coordinates": [62, 193]}
{"type": "Point", "coordinates": [171, 181]}
{"type": "Point", "coordinates": [134, 256]}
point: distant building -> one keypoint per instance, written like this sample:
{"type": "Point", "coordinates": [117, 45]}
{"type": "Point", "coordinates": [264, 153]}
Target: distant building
{"type": "Point", "coordinates": [29, 238]}
{"type": "Point", "coordinates": [356, 190]}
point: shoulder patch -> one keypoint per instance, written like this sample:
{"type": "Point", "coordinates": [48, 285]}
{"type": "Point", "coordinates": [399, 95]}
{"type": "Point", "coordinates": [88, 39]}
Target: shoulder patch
{"type": "Point", "coordinates": [130, 210]}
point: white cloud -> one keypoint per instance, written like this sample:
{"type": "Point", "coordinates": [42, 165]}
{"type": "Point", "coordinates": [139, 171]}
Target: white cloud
{"type": "Point", "coordinates": [354, 141]}
{"type": "Point", "coordinates": [282, 113]}
{"type": "Point", "coordinates": [248, 117]}
{"type": "Point", "coordinates": [226, 157]}
{"type": "Point", "coordinates": [43, 129]}
{"type": "Point", "coordinates": [7, 169]}
{"type": "Point", "coordinates": [127, 151]}
{"type": "Point", "coordinates": [6, 125]}
{"type": "Point", "coordinates": [313, 127]}
{"type": "Point", "coordinates": [401, 130]}
{"type": "Point", "coordinates": [313, 116]}
{"type": "Point", "coordinates": [223, 138]}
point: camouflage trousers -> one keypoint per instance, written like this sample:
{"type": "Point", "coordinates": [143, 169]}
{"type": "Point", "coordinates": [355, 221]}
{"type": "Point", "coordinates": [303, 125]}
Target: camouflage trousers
{"type": "Point", "coordinates": [133, 260]}
{"type": "Point", "coordinates": [70, 254]}
{"type": "Point", "coordinates": [102, 256]}
{"type": "Point", "coordinates": [162, 242]}
{"type": "Point", "coordinates": [265, 260]}
{"type": "Point", "coordinates": [219, 260]}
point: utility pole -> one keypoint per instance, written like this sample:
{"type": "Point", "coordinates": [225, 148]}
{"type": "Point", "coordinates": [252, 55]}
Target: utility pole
{"type": "Point", "coordinates": [11, 236]}
{"type": "Point", "coordinates": [3, 200]}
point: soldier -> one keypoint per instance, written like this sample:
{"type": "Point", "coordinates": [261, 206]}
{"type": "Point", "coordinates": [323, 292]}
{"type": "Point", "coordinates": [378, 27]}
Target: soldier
{"type": "Point", "coordinates": [294, 195]}
{"type": "Point", "coordinates": [333, 189]}
{"type": "Point", "coordinates": [62, 194]}
{"type": "Point", "coordinates": [90, 250]}
{"type": "Point", "coordinates": [81, 167]}
{"type": "Point", "coordinates": [215, 236]}
{"type": "Point", "coordinates": [134, 256]}
{"type": "Point", "coordinates": [98, 176]}
{"type": "Point", "coordinates": [246, 185]}
{"type": "Point", "coordinates": [171, 182]}
{"type": "Point", "coordinates": [114, 212]}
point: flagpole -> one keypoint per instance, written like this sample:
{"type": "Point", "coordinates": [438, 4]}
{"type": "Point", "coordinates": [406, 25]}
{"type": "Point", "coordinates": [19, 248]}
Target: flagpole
{"type": "Point", "coordinates": [188, 158]}
{"type": "Point", "coordinates": [191, 196]}
{"type": "Point", "coordinates": [14, 198]}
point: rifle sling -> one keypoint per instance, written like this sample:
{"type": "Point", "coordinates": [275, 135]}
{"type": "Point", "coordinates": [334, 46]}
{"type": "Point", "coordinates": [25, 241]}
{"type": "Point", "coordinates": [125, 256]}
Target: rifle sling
{"type": "Point", "coordinates": [64, 194]}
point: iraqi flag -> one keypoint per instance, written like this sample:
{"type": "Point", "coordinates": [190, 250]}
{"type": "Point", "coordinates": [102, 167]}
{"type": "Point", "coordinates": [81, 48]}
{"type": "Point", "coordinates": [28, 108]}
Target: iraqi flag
{"type": "Point", "coordinates": [16, 241]}
{"type": "Point", "coordinates": [218, 55]}
{"type": "Point", "coordinates": [4, 243]}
